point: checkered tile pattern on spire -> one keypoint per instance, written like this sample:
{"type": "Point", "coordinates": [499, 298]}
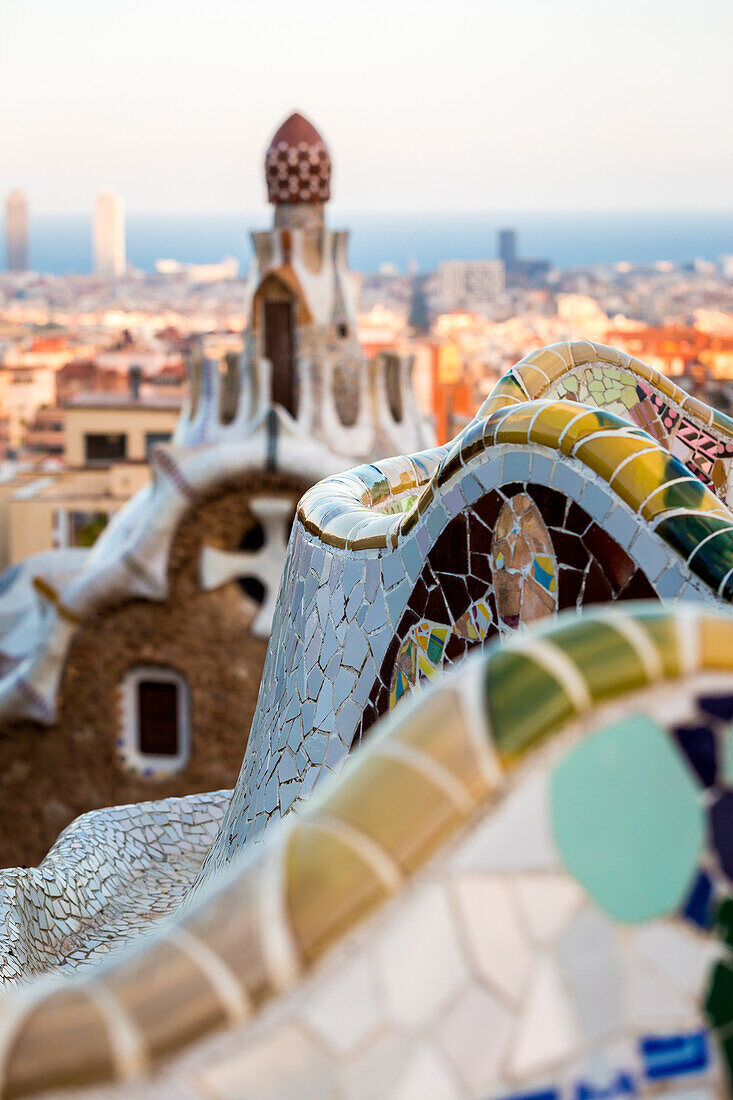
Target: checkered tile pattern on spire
{"type": "Point", "coordinates": [297, 164]}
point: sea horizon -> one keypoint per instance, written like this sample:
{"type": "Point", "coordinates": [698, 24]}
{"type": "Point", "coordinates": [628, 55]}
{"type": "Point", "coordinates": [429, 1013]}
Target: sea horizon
{"type": "Point", "coordinates": [61, 244]}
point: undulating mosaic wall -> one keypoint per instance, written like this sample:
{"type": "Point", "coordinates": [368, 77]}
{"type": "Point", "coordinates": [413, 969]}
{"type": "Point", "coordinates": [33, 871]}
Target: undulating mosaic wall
{"type": "Point", "coordinates": [397, 569]}
{"type": "Point", "coordinates": [495, 568]}
{"type": "Point", "coordinates": [110, 874]}
{"type": "Point", "coordinates": [566, 795]}
{"type": "Point", "coordinates": [593, 374]}
{"type": "Point", "coordinates": [550, 918]}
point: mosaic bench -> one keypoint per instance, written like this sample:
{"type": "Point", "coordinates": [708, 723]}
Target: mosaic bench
{"type": "Point", "coordinates": [518, 886]}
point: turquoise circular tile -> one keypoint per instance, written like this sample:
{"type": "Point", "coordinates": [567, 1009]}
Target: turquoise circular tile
{"type": "Point", "coordinates": [628, 820]}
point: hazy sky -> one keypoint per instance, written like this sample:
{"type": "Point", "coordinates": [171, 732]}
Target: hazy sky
{"type": "Point", "coordinates": [425, 104]}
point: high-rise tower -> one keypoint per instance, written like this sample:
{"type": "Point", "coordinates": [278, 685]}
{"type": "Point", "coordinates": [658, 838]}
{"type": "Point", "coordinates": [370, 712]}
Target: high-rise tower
{"type": "Point", "coordinates": [109, 234]}
{"type": "Point", "coordinates": [16, 231]}
{"type": "Point", "coordinates": [508, 248]}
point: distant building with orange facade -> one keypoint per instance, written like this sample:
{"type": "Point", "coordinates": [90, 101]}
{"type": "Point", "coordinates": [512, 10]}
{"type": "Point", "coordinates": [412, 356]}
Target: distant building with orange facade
{"type": "Point", "coordinates": [677, 349]}
{"type": "Point", "coordinates": [443, 387]}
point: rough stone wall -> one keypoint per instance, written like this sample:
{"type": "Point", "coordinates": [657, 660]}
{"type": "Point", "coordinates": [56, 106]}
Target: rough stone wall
{"type": "Point", "coordinates": [299, 215]}
{"type": "Point", "coordinates": [349, 360]}
{"type": "Point", "coordinates": [48, 776]}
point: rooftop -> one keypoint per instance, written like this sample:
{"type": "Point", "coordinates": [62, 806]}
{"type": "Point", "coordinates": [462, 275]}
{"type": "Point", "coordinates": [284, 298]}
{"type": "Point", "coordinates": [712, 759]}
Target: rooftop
{"type": "Point", "coordinates": [125, 400]}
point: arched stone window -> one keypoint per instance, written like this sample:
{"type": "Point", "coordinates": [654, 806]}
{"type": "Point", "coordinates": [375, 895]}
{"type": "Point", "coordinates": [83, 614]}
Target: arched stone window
{"type": "Point", "coordinates": [276, 311]}
{"type": "Point", "coordinates": [229, 387]}
{"type": "Point", "coordinates": [155, 721]}
{"type": "Point", "coordinates": [392, 385]}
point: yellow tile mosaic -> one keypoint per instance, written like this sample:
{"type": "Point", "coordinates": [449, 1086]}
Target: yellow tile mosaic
{"type": "Point", "coordinates": [642, 474]}
{"type": "Point", "coordinates": [606, 452]}
{"type": "Point", "coordinates": [329, 885]}
{"type": "Point", "coordinates": [552, 421]}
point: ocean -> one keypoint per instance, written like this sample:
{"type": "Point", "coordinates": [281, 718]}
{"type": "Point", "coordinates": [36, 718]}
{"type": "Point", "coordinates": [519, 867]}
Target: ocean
{"type": "Point", "coordinates": [62, 245]}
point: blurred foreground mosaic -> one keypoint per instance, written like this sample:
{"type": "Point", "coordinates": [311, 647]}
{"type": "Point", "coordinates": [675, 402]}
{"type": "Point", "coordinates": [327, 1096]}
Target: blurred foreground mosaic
{"type": "Point", "coordinates": [499, 874]}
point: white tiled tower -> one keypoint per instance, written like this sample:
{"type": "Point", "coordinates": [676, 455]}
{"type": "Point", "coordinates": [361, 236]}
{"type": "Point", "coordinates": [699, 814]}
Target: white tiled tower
{"type": "Point", "coordinates": [301, 357]}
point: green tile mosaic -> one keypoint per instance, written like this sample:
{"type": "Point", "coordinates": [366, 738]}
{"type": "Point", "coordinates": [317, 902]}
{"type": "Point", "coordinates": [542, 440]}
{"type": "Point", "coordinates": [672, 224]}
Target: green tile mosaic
{"type": "Point", "coordinates": [658, 625]}
{"type": "Point", "coordinates": [605, 655]}
{"type": "Point", "coordinates": [689, 494]}
{"type": "Point", "coordinates": [525, 702]}
{"type": "Point", "coordinates": [711, 562]}
{"type": "Point", "coordinates": [724, 921]}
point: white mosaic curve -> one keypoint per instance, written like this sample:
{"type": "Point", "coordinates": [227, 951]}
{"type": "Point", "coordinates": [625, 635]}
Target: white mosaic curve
{"type": "Point", "coordinates": [111, 874]}
{"type": "Point", "coordinates": [491, 974]}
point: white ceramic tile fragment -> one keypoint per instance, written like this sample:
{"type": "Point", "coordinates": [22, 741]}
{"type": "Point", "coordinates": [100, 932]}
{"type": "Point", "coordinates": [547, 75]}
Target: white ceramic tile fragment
{"type": "Point", "coordinates": [497, 945]}
{"type": "Point", "coordinates": [374, 1070]}
{"type": "Point", "coordinates": [419, 958]}
{"type": "Point", "coordinates": [547, 903]}
{"type": "Point", "coordinates": [474, 1035]}
{"type": "Point", "coordinates": [425, 1075]}
{"type": "Point", "coordinates": [677, 951]}
{"type": "Point", "coordinates": [590, 957]}
{"type": "Point", "coordinates": [515, 834]}
{"type": "Point", "coordinates": [547, 1031]}
{"type": "Point", "coordinates": [651, 1000]}
{"type": "Point", "coordinates": [275, 1065]}
{"type": "Point", "coordinates": [343, 1008]}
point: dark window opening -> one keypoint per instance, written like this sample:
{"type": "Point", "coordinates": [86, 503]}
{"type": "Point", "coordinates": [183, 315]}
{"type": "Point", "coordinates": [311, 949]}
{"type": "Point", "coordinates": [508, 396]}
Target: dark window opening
{"type": "Point", "coordinates": [342, 330]}
{"type": "Point", "coordinates": [157, 708]}
{"type": "Point", "coordinates": [85, 527]}
{"type": "Point", "coordinates": [104, 448]}
{"type": "Point", "coordinates": [253, 588]}
{"type": "Point", "coordinates": [254, 538]}
{"type": "Point", "coordinates": [280, 350]}
{"type": "Point", "coordinates": [229, 388]}
{"type": "Point", "coordinates": [152, 439]}
{"type": "Point", "coordinates": [392, 382]}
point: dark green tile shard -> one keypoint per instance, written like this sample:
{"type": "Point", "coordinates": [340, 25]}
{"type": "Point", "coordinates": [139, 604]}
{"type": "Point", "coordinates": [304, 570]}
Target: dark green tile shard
{"type": "Point", "coordinates": [719, 1001]}
{"type": "Point", "coordinates": [724, 921]}
{"type": "Point", "coordinates": [713, 560]}
{"type": "Point", "coordinates": [726, 1049]}
{"type": "Point", "coordinates": [683, 494]}
{"type": "Point", "coordinates": [525, 702]}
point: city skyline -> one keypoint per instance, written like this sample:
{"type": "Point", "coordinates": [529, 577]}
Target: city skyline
{"type": "Point", "coordinates": [64, 244]}
{"type": "Point", "coordinates": [174, 113]}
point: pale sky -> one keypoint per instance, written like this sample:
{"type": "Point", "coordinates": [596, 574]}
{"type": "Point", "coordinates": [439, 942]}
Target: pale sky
{"type": "Point", "coordinates": [426, 105]}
